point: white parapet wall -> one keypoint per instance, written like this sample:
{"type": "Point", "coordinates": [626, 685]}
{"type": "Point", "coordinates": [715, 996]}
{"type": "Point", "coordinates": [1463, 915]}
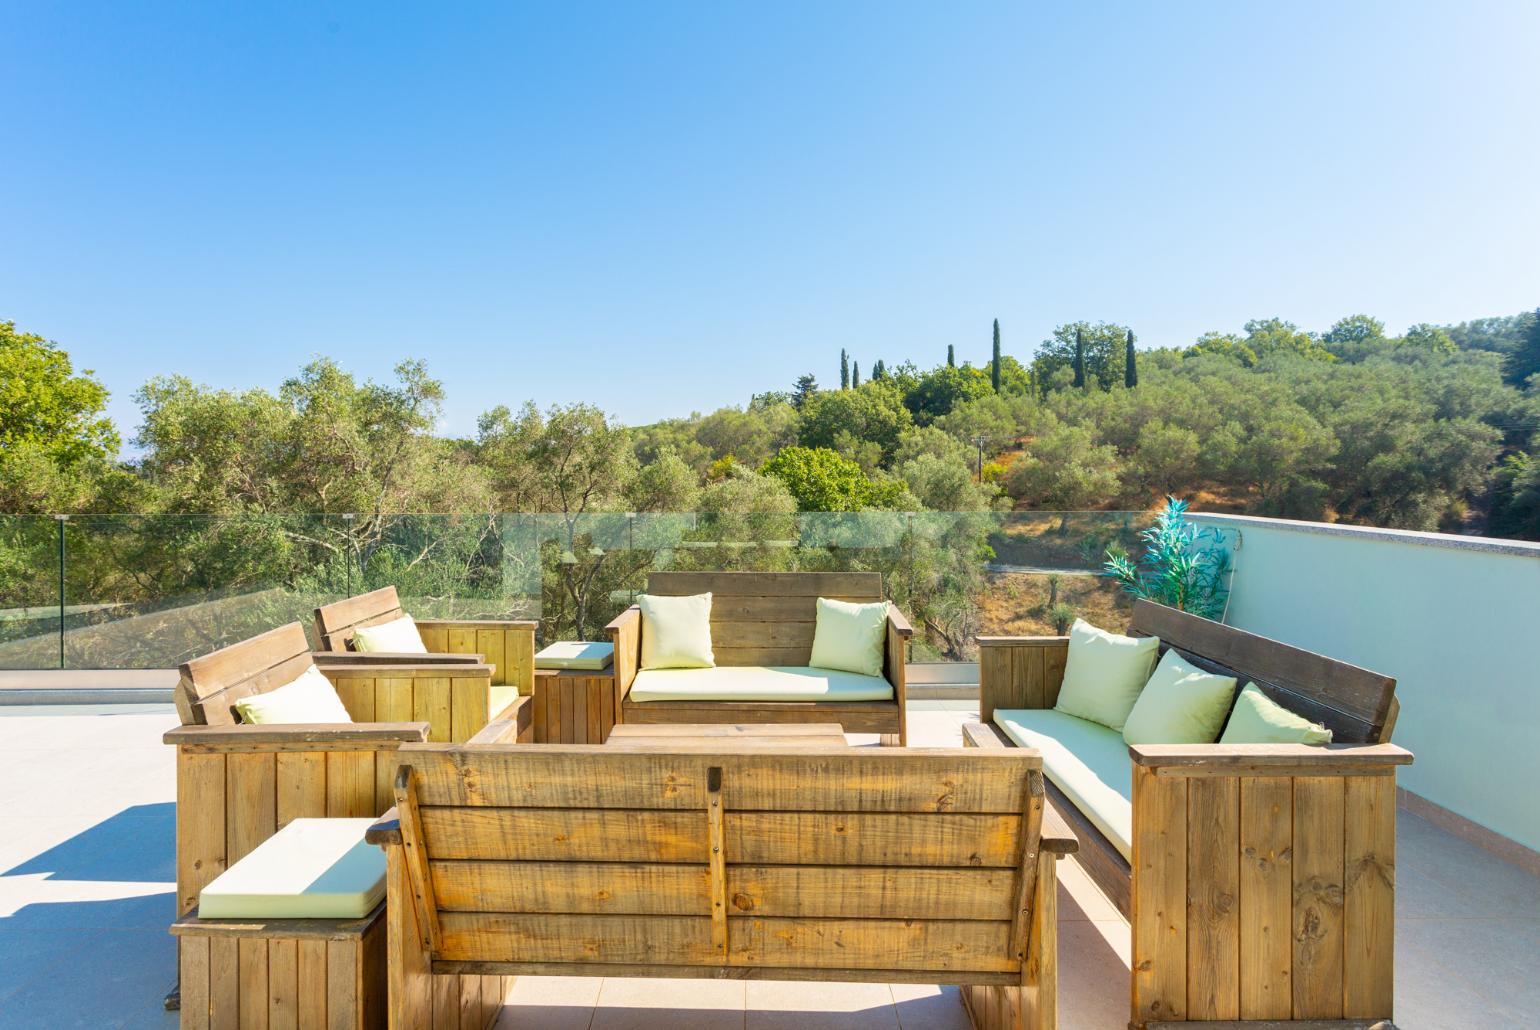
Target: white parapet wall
{"type": "Point", "coordinates": [1456, 620]}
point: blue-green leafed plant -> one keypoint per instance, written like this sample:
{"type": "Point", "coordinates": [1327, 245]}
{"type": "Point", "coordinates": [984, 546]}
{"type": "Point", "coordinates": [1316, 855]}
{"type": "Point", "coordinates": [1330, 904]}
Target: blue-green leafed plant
{"type": "Point", "coordinates": [1183, 566]}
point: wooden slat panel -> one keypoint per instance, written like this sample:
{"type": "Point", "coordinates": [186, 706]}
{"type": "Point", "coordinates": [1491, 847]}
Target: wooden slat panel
{"type": "Point", "coordinates": [239, 662]}
{"type": "Point", "coordinates": [1213, 893]}
{"type": "Point", "coordinates": [519, 653]}
{"type": "Point", "coordinates": [252, 816]}
{"type": "Point", "coordinates": [282, 984]}
{"type": "Point", "coordinates": [873, 839]}
{"type": "Point", "coordinates": [1317, 918]}
{"type": "Point", "coordinates": [739, 657]}
{"type": "Point", "coordinates": [871, 944]}
{"type": "Point", "coordinates": [869, 892]}
{"type": "Point", "coordinates": [733, 633]}
{"type": "Point", "coordinates": [911, 780]}
{"type": "Point", "coordinates": [446, 1003]}
{"type": "Point", "coordinates": [430, 704]}
{"type": "Point", "coordinates": [578, 716]}
{"type": "Point", "coordinates": [470, 1002]}
{"type": "Point", "coordinates": [1266, 892]}
{"type": "Point", "coordinates": [342, 995]}
{"type": "Point", "coordinates": [1159, 897]}
{"type": "Point", "coordinates": [490, 644]}
{"type": "Point", "coordinates": [785, 584]}
{"type": "Point", "coordinates": [435, 638]}
{"type": "Point", "coordinates": [193, 963]}
{"type": "Point", "coordinates": [301, 786]}
{"type": "Point", "coordinates": [593, 710]}
{"type": "Point", "coordinates": [1053, 674]}
{"type": "Point", "coordinates": [1369, 895]}
{"type": "Point", "coordinates": [558, 938]}
{"type": "Point", "coordinates": [200, 824]}
{"type": "Point", "coordinates": [253, 982]}
{"type": "Point", "coordinates": [312, 984]}
{"type": "Point", "coordinates": [350, 785]}
{"type": "Point", "coordinates": [565, 708]}
{"type": "Point", "coordinates": [541, 700]}
{"type": "Point", "coordinates": [393, 699]}
{"type": "Point", "coordinates": [357, 694]}
{"type": "Point", "coordinates": [224, 983]}
{"type": "Point", "coordinates": [469, 703]}
{"type": "Point", "coordinates": [615, 888]}
{"type": "Point", "coordinates": [580, 835]}
{"type": "Point", "coordinates": [462, 640]}
{"type": "Point", "coordinates": [349, 612]}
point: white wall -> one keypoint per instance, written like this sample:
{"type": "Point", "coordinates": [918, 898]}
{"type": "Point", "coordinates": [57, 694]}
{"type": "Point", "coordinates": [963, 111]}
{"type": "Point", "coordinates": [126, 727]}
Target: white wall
{"type": "Point", "coordinates": [1456, 620]}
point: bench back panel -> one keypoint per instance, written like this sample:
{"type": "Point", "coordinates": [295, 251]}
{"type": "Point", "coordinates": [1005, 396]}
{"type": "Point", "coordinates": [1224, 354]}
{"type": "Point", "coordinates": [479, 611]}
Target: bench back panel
{"type": "Point", "coordinates": [335, 623]}
{"type": "Point", "coordinates": [210, 685]}
{"type": "Point", "coordinates": [1355, 704]}
{"type": "Point", "coordinates": [831, 859]}
{"type": "Point", "coordinates": [766, 618]}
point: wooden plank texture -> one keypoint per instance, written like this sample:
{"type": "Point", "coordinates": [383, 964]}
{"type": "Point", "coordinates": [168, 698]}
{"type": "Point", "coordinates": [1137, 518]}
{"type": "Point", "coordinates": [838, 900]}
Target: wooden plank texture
{"type": "Point", "coordinates": [1213, 894]}
{"type": "Point", "coordinates": [1317, 918]}
{"type": "Point", "coordinates": [1369, 895]}
{"type": "Point", "coordinates": [1266, 897]}
{"type": "Point", "coordinates": [1159, 928]}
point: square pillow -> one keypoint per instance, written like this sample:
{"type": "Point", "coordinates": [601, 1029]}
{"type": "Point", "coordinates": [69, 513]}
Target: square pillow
{"type": "Point", "coordinates": [676, 632]}
{"type": "Point", "coordinates": [1104, 674]}
{"type": "Point", "coordinates": [398, 635]}
{"type": "Point", "coordinates": [1258, 719]}
{"type": "Point", "coordinates": [850, 637]}
{"type": "Point", "coordinates": [1181, 704]}
{"type": "Point", "coordinates": [310, 698]}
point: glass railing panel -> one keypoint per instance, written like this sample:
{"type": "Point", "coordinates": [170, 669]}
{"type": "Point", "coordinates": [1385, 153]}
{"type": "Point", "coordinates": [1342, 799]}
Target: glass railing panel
{"type": "Point", "coordinates": [30, 614]}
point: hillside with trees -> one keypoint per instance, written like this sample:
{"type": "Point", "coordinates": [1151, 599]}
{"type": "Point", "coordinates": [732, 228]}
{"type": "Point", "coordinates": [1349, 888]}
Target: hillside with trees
{"type": "Point", "coordinates": [1438, 428]}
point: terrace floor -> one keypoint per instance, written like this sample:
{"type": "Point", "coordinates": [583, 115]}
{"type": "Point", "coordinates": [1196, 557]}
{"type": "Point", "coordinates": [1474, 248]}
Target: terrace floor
{"type": "Point", "coordinates": [87, 817]}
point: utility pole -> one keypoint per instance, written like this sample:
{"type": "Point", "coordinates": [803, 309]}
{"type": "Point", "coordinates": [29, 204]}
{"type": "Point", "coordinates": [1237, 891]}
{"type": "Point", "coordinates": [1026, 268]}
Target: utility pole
{"type": "Point", "coordinates": [978, 441]}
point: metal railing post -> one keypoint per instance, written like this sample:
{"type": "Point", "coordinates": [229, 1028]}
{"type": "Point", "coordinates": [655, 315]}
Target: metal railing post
{"type": "Point", "coordinates": [60, 520]}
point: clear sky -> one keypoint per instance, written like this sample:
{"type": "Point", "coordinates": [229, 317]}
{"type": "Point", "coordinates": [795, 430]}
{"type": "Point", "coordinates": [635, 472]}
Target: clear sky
{"type": "Point", "coordinates": [664, 207]}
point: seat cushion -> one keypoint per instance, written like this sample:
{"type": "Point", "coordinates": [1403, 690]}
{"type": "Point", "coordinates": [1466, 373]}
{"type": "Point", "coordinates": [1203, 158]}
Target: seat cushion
{"type": "Point", "coordinates": [501, 698]}
{"type": "Point", "coordinates": [1085, 760]}
{"type": "Point", "coordinates": [398, 636]}
{"type": "Point", "coordinates": [758, 683]}
{"type": "Point", "coordinates": [575, 654]}
{"type": "Point", "coordinates": [310, 869]}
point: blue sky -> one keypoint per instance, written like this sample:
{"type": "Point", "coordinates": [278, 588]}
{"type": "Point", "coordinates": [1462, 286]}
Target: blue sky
{"type": "Point", "coordinates": [665, 207]}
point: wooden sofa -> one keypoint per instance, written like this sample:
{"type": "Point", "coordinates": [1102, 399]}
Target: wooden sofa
{"type": "Point", "coordinates": [1261, 887]}
{"type": "Point", "coordinates": [763, 619]}
{"type": "Point", "coordinates": [811, 863]}
{"type": "Point", "coordinates": [508, 645]}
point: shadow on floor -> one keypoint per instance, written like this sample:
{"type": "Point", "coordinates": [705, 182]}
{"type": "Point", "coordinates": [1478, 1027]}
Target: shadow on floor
{"type": "Point", "coordinates": [137, 845]}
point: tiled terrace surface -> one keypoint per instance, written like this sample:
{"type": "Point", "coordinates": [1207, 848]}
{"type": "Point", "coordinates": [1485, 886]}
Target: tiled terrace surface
{"type": "Point", "coordinates": [86, 879]}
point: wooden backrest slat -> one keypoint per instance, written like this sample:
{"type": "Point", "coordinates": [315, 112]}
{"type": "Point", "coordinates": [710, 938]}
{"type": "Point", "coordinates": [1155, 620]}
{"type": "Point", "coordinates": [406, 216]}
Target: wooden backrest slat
{"type": "Point", "coordinates": [766, 618]}
{"type": "Point", "coordinates": [210, 685]}
{"type": "Point", "coordinates": [336, 622]}
{"type": "Point", "coordinates": [571, 854]}
{"type": "Point", "coordinates": [1354, 703]}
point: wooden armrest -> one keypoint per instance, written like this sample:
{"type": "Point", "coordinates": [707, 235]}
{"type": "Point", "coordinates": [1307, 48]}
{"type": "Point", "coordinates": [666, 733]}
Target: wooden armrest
{"type": "Point", "coordinates": [620, 621]}
{"type": "Point", "coordinates": [498, 731]}
{"type": "Point", "coordinates": [898, 622]}
{"type": "Point", "coordinates": [338, 736]}
{"type": "Point", "coordinates": [1267, 759]}
{"type": "Point", "coordinates": [385, 830]}
{"type": "Point", "coordinates": [1057, 837]}
{"type": "Point", "coordinates": [625, 635]}
{"type": "Point", "coordinates": [479, 623]}
{"type": "Point", "coordinates": [1022, 641]}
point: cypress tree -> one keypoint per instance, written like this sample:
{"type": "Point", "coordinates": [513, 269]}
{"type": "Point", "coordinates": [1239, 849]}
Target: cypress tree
{"type": "Point", "coordinates": [844, 370]}
{"type": "Point", "coordinates": [951, 357]}
{"type": "Point", "coordinates": [1130, 364]}
{"type": "Point", "coordinates": [994, 363]}
{"type": "Point", "coordinates": [1079, 360]}
{"type": "Point", "coordinates": [855, 374]}
{"type": "Point", "coordinates": [879, 370]}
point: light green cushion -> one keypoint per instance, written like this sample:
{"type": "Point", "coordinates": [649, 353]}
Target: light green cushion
{"type": "Point", "coordinates": [310, 698]}
{"type": "Point", "coordinates": [1085, 760]}
{"type": "Point", "coordinates": [1104, 674]}
{"type": "Point", "coordinates": [676, 632]}
{"type": "Point", "coordinates": [1181, 704]}
{"type": "Point", "coordinates": [575, 654]}
{"type": "Point", "coordinates": [850, 637]}
{"type": "Point", "coordinates": [310, 869]}
{"type": "Point", "coordinates": [1258, 719]}
{"type": "Point", "coordinates": [758, 683]}
{"type": "Point", "coordinates": [501, 698]}
{"type": "Point", "coordinates": [398, 635]}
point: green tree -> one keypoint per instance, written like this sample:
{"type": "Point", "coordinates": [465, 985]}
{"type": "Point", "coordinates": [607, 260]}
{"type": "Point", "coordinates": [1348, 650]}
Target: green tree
{"type": "Point", "coordinates": [805, 390]}
{"type": "Point", "coordinates": [943, 484]}
{"type": "Point", "coordinates": [1130, 364]}
{"type": "Point", "coordinates": [1223, 345]}
{"type": "Point", "coordinates": [1079, 360]}
{"type": "Point", "coordinates": [873, 412]}
{"type": "Point", "coordinates": [855, 374]}
{"type": "Point", "coordinates": [1516, 505]}
{"type": "Point", "coordinates": [951, 357]}
{"type": "Point", "coordinates": [1267, 337]}
{"type": "Point", "coordinates": [822, 480]}
{"type": "Point", "coordinates": [994, 361]}
{"type": "Point", "coordinates": [879, 371]}
{"type": "Point", "coordinates": [1355, 329]}
{"type": "Point", "coordinates": [844, 370]}
{"type": "Point", "coordinates": [1524, 362]}
{"type": "Point", "coordinates": [1065, 469]}
{"type": "Point", "coordinates": [1430, 338]}
{"type": "Point", "coordinates": [942, 389]}
{"type": "Point", "coordinates": [1101, 349]}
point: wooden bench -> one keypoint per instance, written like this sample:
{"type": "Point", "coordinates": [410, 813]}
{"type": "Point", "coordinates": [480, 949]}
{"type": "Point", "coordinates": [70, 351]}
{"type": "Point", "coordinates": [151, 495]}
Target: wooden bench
{"type": "Point", "coordinates": [1262, 885]}
{"type": "Point", "coordinates": [766, 619]}
{"type": "Point", "coordinates": [816, 863]}
{"type": "Point", "coordinates": [508, 645]}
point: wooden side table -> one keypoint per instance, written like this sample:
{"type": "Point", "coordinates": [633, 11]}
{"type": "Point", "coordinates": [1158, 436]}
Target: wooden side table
{"type": "Point", "coordinates": [575, 706]}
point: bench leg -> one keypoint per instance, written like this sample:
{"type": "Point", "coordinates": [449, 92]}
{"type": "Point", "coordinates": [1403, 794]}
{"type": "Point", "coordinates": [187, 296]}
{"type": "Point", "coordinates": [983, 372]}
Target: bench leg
{"type": "Point", "coordinates": [1034, 1004]}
